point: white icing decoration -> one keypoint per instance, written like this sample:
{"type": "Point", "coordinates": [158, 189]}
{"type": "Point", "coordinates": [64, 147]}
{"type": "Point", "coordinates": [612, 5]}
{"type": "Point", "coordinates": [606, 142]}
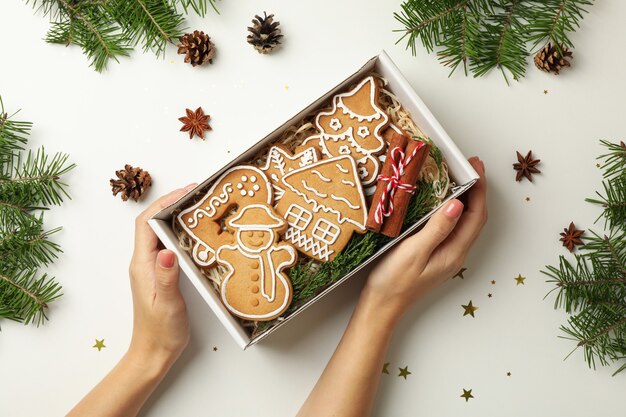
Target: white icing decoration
{"type": "Point", "coordinates": [256, 187]}
{"type": "Point", "coordinates": [243, 192]}
{"type": "Point", "coordinates": [209, 201]}
{"type": "Point", "coordinates": [363, 131]}
{"type": "Point", "coordinates": [335, 124]}
{"type": "Point", "coordinates": [350, 183]}
{"type": "Point", "coordinates": [251, 193]}
{"type": "Point", "coordinates": [342, 169]}
{"type": "Point", "coordinates": [352, 206]}
{"type": "Point", "coordinates": [344, 150]}
{"type": "Point", "coordinates": [313, 190]}
{"type": "Point", "coordinates": [321, 177]}
{"type": "Point", "coordinates": [190, 220]}
{"type": "Point", "coordinates": [217, 204]}
{"type": "Point", "coordinates": [274, 177]}
{"type": "Point", "coordinates": [244, 178]}
{"type": "Point", "coordinates": [253, 179]}
{"type": "Point", "coordinates": [308, 243]}
{"type": "Point", "coordinates": [363, 172]}
{"type": "Point", "coordinates": [239, 186]}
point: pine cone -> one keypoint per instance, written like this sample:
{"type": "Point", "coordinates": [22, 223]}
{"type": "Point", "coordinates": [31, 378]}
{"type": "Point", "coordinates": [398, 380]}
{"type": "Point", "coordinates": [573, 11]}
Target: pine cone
{"type": "Point", "coordinates": [549, 59]}
{"type": "Point", "coordinates": [131, 182]}
{"type": "Point", "coordinates": [197, 47]}
{"type": "Point", "coordinates": [264, 34]}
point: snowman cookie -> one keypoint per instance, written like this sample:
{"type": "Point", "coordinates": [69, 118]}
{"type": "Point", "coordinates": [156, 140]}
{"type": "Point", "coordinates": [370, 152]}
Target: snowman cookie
{"type": "Point", "coordinates": [255, 286]}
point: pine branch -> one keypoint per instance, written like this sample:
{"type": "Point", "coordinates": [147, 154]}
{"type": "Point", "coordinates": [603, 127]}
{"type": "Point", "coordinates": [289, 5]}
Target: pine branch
{"type": "Point", "coordinates": [153, 23]}
{"type": "Point", "coordinates": [488, 34]}
{"type": "Point", "coordinates": [593, 288]}
{"type": "Point", "coordinates": [27, 186]}
{"type": "Point", "coordinates": [24, 297]}
{"type": "Point", "coordinates": [109, 29]}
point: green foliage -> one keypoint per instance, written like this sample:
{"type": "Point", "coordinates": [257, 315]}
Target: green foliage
{"type": "Point", "coordinates": [592, 288]}
{"type": "Point", "coordinates": [29, 183]}
{"type": "Point", "coordinates": [486, 34]}
{"type": "Point", "coordinates": [110, 29]}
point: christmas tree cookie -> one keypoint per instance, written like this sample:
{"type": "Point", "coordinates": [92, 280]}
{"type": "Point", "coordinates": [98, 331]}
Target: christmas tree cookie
{"type": "Point", "coordinates": [354, 126]}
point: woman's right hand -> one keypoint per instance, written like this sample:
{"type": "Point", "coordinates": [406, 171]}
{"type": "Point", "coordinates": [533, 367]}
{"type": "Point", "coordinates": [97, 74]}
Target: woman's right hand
{"type": "Point", "coordinates": [434, 254]}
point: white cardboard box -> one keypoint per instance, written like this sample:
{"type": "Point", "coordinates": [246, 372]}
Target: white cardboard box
{"type": "Point", "coordinates": [461, 173]}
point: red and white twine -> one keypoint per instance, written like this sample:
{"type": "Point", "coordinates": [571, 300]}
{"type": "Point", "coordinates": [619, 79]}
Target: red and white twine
{"type": "Point", "coordinates": [398, 165]}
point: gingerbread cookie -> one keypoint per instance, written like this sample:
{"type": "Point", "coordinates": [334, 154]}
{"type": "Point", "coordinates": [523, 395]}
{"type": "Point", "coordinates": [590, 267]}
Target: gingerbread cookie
{"type": "Point", "coordinates": [354, 127]}
{"type": "Point", "coordinates": [280, 161]}
{"type": "Point", "coordinates": [255, 286]}
{"type": "Point", "coordinates": [323, 204]}
{"type": "Point", "coordinates": [238, 187]}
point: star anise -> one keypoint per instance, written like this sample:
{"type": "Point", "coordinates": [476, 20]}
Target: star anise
{"type": "Point", "coordinates": [196, 123]}
{"type": "Point", "coordinates": [526, 166]}
{"type": "Point", "coordinates": [571, 237]}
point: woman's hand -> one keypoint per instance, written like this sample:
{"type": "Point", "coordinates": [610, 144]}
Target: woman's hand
{"type": "Point", "coordinates": [160, 325]}
{"type": "Point", "coordinates": [432, 255]}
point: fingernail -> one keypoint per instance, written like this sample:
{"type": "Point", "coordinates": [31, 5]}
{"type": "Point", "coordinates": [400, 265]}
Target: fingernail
{"type": "Point", "coordinates": [190, 186]}
{"type": "Point", "coordinates": [453, 209]}
{"type": "Point", "coordinates": [166, 259]}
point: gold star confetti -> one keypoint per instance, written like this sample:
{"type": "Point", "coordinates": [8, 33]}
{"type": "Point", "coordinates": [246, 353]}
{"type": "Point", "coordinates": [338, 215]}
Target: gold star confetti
{"type": "Point", "coordinates": [598, 165]}
{"type": "Point", "coordinates": [545, 91]}
{"type": "Point", "coordinates": [469, 309]}
{"type": "Point", "coordinates": [99, 345]}
{"type": "Point", "coordinates": [489, 295]}
{"type": "Point", "coordinates": [467, 394]}
{"type": "Point", "coordinates": [508, 374]}
{"type": "Point", "coordinates": [214, 348]}
{"type": "Point", "coordinates": [527, 198]}
{"type": "Point", "coordinates": [493, 282]}
{"type": "Point", "coordinates": [520, 279]}
{"type": "Point", "coordinates": [386, 368]}
{"type": "Point", "coordinates": [460, 273]}
{"type": "Point", "coordinates": [404, 372]}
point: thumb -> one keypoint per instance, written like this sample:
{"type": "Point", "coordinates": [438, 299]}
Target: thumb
{"type": "Point", "coordinates": [439, 226]}
{"type": "Point", "coordinates": [167, 275]}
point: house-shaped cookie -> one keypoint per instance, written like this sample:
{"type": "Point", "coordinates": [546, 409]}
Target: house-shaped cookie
{"type": "Point", "coordinates": [323, 204]}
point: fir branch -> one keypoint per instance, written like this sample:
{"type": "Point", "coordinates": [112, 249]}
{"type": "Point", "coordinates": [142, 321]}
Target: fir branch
{"type": "Point", "coordinates": [109, 29]}
{"type": "Point", "coordinates": [24, 297]}
{"type": "Point", "coordinates": [27, 186]}
{"type": "Point", "coordinates": [593, 287]}
{"type": "Point", "coordinates": [488, 34]}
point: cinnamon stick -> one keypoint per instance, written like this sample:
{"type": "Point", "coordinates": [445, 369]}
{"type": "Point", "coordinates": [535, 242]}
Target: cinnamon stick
{"type": "Point", "coordinates": [393, 224]}
{"type": "Point", "coordinates": [397, 141]}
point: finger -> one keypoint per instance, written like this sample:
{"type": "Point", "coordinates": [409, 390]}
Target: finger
{"type": "Point", "coordinates": [167, 275]}
{"type": "Point", "coordinates": [439, 226]}
{"type": "Point", "coordinates": [145, 239]}
{"type": "Point", "coordinates": [475, 215]}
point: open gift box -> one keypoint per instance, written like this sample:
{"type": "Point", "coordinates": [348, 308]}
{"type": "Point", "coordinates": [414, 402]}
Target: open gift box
{"type": "Point", "coordinates": [460, 171]}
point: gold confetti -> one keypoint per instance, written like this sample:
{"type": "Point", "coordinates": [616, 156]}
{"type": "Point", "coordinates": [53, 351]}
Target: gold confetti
{"type": "Point", "coordinates": [493, 282]}
{"type": "Point", "coordinates": [386, 368]}
{"type": "Point", "coordinates": [520, 280]}
{"type": "Point", "coordinates": [527, 198]}
{"type": "Point", "coordinates": [404, 372]}
{"type": "Point", "coordinates": [545, 91]}
{"type": "Point", "coordinates": [467, 394]}
{"type": "Point", "coordinates": [214, 348]}
{"type": "Point", "coordinates": [469, 309]}
{"type": "Point", "coordinates": [460, 273]}
{"type": "Point", "coordinates": [489, 295]}
{"type": "Point", "coordinates": [99, 345]}
{"type": "Point", "coordinates": [508, 374]}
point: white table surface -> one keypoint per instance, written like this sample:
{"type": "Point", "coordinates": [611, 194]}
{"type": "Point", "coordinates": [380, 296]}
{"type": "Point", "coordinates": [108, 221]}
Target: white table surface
{"type": "Point", "coordinates": [129, 115]}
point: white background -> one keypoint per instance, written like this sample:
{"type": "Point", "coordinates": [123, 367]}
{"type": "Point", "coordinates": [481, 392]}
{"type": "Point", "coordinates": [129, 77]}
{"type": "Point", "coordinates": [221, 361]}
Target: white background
{"type": "Point", "coordinates": [129, 115]}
